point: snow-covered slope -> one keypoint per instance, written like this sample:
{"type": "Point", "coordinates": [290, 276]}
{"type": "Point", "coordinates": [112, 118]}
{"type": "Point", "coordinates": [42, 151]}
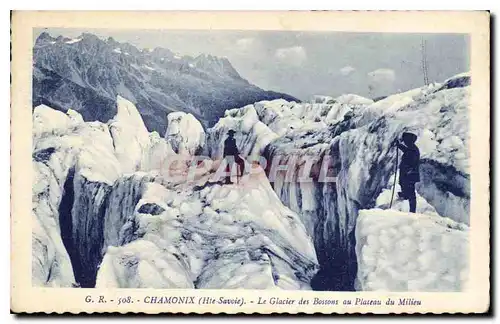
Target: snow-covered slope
{"type": "Point", "coordinates": [401, 251]}
{"type": "Point", "coordinates": [398, 251]}
{"type": "Point", "coordinates": [87, 73]}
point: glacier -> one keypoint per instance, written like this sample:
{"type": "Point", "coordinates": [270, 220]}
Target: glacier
{"type": "Point", "coordinates": [108, 215]}
{"type": "Point", "coordinates": [358, 153]}
{"type": "Point", "coordinates": [112, 207]}
{"type": "Point", "coordinates": [185, 134]}
{"type": "Point", "coordinates": [199, 237]}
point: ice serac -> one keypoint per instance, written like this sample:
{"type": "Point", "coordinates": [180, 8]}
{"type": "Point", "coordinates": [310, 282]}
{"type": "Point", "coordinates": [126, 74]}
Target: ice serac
{"type": "Point", "coordinates": [302, 136]}
{"type": "Point", "coordinates": [400, 251]}
{"type": "Point", "coordinates": [64, 148]}
{"type": "Point", "coordinates": [185, 133]}
{"type": "Point", "coordinates": [51, 265]}
{"type": "Point", "coordinates": [252, 135]}
{"type": "Point", "coordinates": [96, 223]}
{"type": "Point", "coordinates": [130, 136]}
{"type": "Point", "coordinates": [78, 167]}
{"type": "Point", "coordinates": [85, 160]}
{"type": "Point", "coordinates": [207, 235]}
{"type": "Point", "coordinates": [50, 261]}
{"type": "Point", "coordinates": [367, 160]}
{"type": "Point", "coordinates": [358, 152]}
{"type": "Point", "coordinates": [91, 158]}
{"type": "Point", "coordinates": [439, 117]}
{"type": "Point", "coordinates": [49, 121]}
{"type": "Point", "coordinates": [158, 155]}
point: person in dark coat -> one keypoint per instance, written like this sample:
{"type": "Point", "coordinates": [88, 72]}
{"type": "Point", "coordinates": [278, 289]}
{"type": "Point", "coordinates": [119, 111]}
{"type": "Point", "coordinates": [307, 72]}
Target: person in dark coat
{"type": "Point", "coordinates": [409, 168]}
{"type": "Point", "coordinates": [231, 154]}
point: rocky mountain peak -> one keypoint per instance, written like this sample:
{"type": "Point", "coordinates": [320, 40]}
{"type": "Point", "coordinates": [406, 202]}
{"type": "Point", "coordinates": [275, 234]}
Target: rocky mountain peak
{"type": "Point", "coordinates": [87, 73]}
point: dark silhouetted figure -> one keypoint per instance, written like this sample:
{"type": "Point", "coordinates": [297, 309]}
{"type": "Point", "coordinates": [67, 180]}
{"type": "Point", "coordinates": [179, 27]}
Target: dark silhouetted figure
{"type": "Point", "coordinates": [409, 169]}
{"type": "Point", "coordinates": [231, 154]}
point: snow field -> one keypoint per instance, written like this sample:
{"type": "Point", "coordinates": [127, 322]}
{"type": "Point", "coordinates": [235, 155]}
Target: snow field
{"type": "Point", "coordinates": [399, 251]}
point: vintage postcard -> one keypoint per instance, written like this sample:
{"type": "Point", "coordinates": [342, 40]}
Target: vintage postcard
{"type": "Point", "coordinates": [250, 162]}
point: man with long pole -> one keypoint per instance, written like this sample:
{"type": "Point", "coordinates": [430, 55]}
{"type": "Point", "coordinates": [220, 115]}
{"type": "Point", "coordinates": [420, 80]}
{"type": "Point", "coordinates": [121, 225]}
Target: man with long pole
{"type": "Point", "coordinates": [409, 173]}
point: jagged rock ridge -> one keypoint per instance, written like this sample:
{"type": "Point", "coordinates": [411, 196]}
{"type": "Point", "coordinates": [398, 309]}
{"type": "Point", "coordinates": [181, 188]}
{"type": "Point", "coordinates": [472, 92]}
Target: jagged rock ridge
{"type": "Point", "coordinates": [87, 73]}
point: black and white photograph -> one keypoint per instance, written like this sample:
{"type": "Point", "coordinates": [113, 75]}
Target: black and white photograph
{"type": "Point", "coordinates": [262, 160]}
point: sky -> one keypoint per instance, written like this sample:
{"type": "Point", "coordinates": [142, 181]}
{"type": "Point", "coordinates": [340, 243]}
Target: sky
{"type": "Point", "coordinates": [304, 64]}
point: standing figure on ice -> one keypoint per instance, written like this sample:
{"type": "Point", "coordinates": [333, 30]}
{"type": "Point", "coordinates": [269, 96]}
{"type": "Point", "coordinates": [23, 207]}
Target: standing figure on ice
{"type": "Point", "coordinates": [231, 155]}
{"type": "Point", "coordinates": [409, 169]}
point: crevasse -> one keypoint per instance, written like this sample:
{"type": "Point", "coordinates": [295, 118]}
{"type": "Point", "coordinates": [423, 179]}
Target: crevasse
{"type": "Point", "coordinates": [121, 221]}
{"type": "Point", "coordinates": [107, 215]}
{"type": "Point", "coordinates": [361, 158]}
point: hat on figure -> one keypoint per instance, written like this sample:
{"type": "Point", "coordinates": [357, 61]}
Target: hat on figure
{"type": "Point", "coordinates": [409, 138]}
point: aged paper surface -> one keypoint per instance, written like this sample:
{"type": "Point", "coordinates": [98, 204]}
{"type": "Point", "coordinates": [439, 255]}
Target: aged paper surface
{"type": "Point", "coordinates": [92, 244]}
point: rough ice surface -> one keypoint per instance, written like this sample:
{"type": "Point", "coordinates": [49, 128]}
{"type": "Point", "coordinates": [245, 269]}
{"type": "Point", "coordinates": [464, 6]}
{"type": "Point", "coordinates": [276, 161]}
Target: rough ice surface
{"type": "Point", "coordinates": [185, 133]}
{"type": "Point", "coordinates": [457, 81]}
{"type": "Point", "coordinates": [108, 213]}
{"type": "Point", "coordinates": [207, 236]}
{"type": "Point", "coordinates": [440, 120]}
{"type": "Point", "coordinates": [158, 154]}
{"type": "Point", "coordinates": [130, 136]}
{"type": "Point", "coordinates": [367, 160]}
{"type": "Point", "coordinates": [75, 164]}
{"type": "Point", "coordinates": [302, 132]}
{"type": "Point", "coordinates": [385, 198]}
{"type": "Point", "coordinates": [400, 251]}
{"type": "Point", "coordinates": [360, 156]}
{"type": "Point", "coordinates": [47, 120]}
{"type": "Point", "coordinates": [107, 216]}
{"type": "Point", "coordinates": [252, 136]}
{"type": "Point", "coordinates": [352, 99]}
{"type": "Point", "coordinates": [260, 124]}
{"type": "Point", "coordinates": [61, 148]}
{"type": "Point", "coordinates": [51, 265]}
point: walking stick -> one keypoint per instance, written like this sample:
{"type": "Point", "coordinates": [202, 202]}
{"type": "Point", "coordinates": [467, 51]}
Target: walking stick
{"type": "Point", "coordinates": [395, 173]}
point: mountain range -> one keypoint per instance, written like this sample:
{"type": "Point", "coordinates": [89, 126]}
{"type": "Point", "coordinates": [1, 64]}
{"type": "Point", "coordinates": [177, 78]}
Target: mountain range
{"type": "Point", "coordinates": [87, 73]}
